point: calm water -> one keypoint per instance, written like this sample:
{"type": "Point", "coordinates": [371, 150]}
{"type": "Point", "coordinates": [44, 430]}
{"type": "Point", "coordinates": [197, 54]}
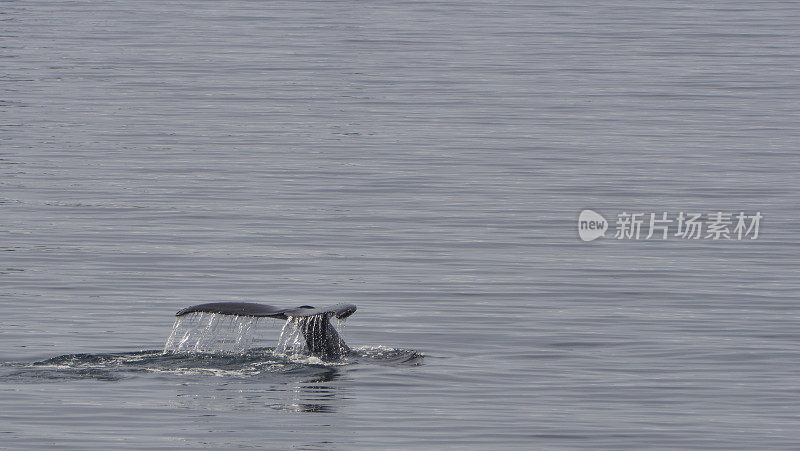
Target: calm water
{"type": "Point", "coordinates": [427, 162]}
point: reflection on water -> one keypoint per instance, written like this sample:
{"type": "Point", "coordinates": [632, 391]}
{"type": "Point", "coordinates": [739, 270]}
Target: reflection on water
{"type": "Point", "coordinates": [253, 380]}
{"type": "Point", "coordinates": [315, 395]}
{"type": "Point", "coordinates": [208, 382]}
{"type": "Point", "coordinates": [320, 393]}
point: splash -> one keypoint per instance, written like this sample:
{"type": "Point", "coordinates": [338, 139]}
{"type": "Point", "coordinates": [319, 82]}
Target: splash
{"type": "Point", "coordinates": [293, 342]}
{"type": "Point", "coordinates": [213, 333]}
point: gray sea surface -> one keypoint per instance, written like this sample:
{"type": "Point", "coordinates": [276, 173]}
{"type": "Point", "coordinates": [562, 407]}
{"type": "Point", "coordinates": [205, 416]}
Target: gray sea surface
{"type": "Point", "coordinates": [426, 161]}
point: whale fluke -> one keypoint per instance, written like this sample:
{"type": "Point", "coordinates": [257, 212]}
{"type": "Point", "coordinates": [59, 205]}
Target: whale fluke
{"type": "Point", "coordinates": [233, 308]}
{"type": "Point", "coordinates": [341, 311]}
{"type": "Point", "coordinates": [321, 337]}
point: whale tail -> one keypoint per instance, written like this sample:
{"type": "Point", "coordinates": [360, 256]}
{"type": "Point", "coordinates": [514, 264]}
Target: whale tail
{"type": "Point", "coordinates": [320, 336]}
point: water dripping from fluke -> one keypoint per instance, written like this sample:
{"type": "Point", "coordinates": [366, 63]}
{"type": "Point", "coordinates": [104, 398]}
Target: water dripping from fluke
{"type": "Point", "coordinates": [234, 327]}
{"type": "Point", "coordinates": [308, 333]}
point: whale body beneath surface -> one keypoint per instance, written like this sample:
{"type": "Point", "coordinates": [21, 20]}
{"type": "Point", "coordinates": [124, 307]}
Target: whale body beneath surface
{"type": "Point", "coordinates": [320, 336]}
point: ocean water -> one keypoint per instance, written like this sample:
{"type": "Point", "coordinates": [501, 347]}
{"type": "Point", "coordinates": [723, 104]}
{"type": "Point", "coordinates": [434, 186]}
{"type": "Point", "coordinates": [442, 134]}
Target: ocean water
{"type": "Point", "coordinates": [426, 161]}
